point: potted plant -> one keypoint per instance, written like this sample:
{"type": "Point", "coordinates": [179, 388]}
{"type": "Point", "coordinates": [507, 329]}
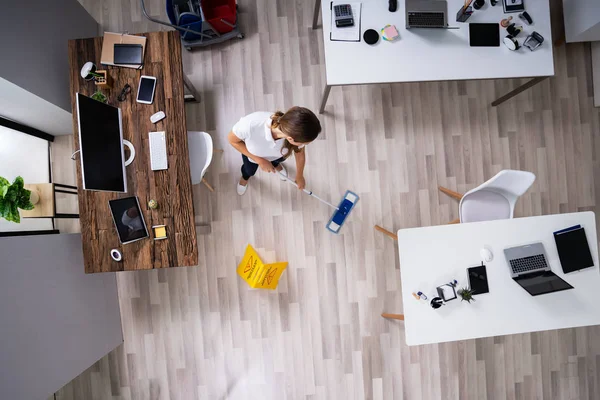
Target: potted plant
{"type": "Point", "coordinates": [12, 197]}
{"type": "Point", "coordinates": [99, 96]}
{"type": "Point", "coordinates": [466, 295]}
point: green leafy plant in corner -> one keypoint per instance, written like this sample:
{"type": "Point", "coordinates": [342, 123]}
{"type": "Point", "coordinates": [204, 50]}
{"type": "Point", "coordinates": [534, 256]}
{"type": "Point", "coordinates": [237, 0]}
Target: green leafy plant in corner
{"type": "Point", "coordinates": [466, 295]}
{"type": "Point", "coordinates": [13, 197]}
{"type": "Point", "coordinates": [99, 96]}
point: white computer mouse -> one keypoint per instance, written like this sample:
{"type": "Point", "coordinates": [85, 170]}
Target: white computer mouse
{"type": "Point", "coordinates": [486, 255]}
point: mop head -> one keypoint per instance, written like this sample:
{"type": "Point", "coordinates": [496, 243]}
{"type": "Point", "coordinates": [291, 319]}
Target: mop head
{"type": "Point", "coordinates": [339, 217]}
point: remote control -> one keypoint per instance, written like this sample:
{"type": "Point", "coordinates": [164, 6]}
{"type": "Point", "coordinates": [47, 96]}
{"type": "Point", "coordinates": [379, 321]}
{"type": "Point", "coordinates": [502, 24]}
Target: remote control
{"type": "Point", "coordinates": [157, 117]}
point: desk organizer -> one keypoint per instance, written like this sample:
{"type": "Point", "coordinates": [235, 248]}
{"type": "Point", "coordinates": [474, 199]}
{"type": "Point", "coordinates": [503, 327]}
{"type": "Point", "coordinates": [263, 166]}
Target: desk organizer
{"type": "Point", "coordinates": [105, 81]}
{"type": "Point", "coordinates": [463, 14]}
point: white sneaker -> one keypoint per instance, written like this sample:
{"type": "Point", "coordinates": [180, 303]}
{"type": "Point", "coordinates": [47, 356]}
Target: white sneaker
{"type": "Point", "coordinates": [241, 189]}
{"type": "Point", "coordinates": [284, 172]}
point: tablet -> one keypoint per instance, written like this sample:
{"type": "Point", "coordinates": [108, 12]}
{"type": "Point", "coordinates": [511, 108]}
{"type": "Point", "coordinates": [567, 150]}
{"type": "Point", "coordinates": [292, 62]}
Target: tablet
{"type": "Point", "coordinates": [128, 219]}
{"type": "Point", "coordinates": [478, 279]}
{"type": "Point", "coordinates": [484, 35]}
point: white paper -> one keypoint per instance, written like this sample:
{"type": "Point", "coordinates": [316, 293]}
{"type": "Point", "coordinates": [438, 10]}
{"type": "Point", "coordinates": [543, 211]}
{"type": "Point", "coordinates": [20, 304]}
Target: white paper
{"type": "Point", "coordinates": [348, 33]}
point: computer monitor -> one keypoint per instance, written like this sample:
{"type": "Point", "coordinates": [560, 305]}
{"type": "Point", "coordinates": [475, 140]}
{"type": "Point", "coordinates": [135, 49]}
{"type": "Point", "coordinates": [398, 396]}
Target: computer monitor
{"type": "Point", "coordinates": [101, 144]}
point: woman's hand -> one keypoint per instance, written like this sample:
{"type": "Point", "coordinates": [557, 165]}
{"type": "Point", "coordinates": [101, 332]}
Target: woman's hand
{"type": "Point", "coordinates": [265, 165]}
{"type": "Point", "coordinates": [300, 182]}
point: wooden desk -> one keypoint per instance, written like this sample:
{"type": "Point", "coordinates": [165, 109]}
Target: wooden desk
{"type": "Point", "coordinates": [171, 188]}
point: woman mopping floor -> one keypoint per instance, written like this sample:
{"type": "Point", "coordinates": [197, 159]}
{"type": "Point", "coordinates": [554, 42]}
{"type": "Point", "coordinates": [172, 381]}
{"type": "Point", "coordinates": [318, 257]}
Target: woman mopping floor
{"type": "Point", "coordinates": [266, 140]}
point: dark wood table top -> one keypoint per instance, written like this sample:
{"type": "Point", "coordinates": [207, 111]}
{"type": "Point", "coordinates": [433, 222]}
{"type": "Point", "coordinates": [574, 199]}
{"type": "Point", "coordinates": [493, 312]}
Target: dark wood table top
{"type": "Point", "coordinates": [171, 188]}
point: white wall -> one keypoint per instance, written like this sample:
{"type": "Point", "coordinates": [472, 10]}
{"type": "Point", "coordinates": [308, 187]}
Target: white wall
{"type": "Point", "coordinates": [56, 320]}
{"type": "Point", "coordinates": [26, 156]}
{"type": "Point", "coordinates": [19, 105]}
{"type": "Point", "coordinates": [582, 20]}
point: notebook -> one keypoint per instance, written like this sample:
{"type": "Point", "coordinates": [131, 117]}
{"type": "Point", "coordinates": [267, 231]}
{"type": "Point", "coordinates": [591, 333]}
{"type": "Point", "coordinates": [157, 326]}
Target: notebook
{"type": "Point", "coordinates": [126, 53]}
{"type": "Point", "coordinates": [573, 250]}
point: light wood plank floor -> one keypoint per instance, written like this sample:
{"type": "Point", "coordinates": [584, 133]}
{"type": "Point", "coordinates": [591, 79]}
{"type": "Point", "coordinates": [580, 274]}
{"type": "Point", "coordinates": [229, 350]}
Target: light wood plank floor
{"type": "Point", "coordinates": [199, 332]}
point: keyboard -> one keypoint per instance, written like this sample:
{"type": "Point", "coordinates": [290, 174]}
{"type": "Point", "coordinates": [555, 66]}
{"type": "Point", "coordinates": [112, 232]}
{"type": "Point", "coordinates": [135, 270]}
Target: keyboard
{"type": "Point", "coordinates": [531, 263]}
{"type": "Point", "coordinates": [424, 19]}
{"type": "Point", "coordinates": [158, 151]}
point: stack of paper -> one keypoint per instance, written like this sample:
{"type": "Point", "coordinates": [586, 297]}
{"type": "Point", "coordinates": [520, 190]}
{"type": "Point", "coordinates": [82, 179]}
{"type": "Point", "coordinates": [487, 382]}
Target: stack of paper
{"type": "Point", "coordinates": [346, 33]}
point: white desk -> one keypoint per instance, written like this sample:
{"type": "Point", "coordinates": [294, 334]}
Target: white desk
{"type": "Point", "coordinates": [435, 54]}
{"type": "Point", "coordinates": [432, 256]}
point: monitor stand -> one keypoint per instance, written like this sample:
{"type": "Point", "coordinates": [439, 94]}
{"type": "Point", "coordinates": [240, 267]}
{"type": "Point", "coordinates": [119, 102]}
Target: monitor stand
{"type": "Point", "coordinates": [127, 143]}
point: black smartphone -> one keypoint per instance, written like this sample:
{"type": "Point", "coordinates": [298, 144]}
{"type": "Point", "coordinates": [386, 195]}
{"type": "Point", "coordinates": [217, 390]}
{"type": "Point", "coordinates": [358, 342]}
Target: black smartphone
{"type": "Point", "coordinates": [478, 279]}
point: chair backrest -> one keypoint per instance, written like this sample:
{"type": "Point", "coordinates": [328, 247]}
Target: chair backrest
{"type": "Point", "coordinates": [509, 183]}
{"type": "Point", "coordinates": [200, 147]}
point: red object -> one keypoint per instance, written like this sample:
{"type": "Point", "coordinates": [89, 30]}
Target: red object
{"type": "Point", "coordinates": [217, 10]}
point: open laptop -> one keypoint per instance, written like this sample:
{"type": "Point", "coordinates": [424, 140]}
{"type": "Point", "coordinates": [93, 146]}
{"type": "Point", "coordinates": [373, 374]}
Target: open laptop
{"type": "Point", "coordinates": [529, 268]}
{"type": "Point", "coordinates": [426, 14]}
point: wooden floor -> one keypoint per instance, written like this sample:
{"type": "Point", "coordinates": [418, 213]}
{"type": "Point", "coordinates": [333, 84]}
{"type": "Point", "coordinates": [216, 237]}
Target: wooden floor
{"type": "Point", "coordinates": [199, 332]}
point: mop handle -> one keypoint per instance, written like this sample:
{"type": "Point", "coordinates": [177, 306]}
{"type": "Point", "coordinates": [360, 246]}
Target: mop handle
{"type": "Point", "coordinates": [307, 191]}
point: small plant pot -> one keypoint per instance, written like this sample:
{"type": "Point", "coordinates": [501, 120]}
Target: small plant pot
{"type": "Point", "coordinates": [466, 295]}
{"type": "Point", "coordinates": [99, 96]}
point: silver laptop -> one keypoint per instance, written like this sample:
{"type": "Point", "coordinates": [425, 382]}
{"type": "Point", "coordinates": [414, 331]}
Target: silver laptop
{"type": "Point", "coordinates": [526, 259]}
{"type": "Point", "coordinates": [529, 268]}
{"type": "Point", "coordinates": [426, 14]}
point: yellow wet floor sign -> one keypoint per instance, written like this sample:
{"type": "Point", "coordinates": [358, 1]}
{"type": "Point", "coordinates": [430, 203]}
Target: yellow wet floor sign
{"type": "Point", "coordinates": [257, 274]}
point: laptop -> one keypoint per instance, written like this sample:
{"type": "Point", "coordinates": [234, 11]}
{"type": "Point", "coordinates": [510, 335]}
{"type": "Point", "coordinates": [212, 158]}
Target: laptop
{"type": "Point", "coordinates": [529, 268]}
{"type": "Point", "coordinates": [426, 14]}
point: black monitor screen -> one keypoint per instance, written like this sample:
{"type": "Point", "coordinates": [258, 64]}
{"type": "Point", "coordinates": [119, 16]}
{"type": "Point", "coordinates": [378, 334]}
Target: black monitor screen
{"type": "Point", "coordinates": [542, 282]}
{"type": "Point", "coordinates": [101, 145]}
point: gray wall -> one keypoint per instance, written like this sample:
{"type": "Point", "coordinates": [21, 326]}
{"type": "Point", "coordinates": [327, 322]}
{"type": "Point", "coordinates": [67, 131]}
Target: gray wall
{"type": "Point", "coordinates": [56, 320]}
{"type": "Point", "coordinates": [33, 39]}
{"type": "Point", "coordinates": [582, 20]}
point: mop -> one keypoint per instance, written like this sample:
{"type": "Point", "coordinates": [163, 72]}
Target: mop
{"type": "Point", "coordinates": [342, 211]}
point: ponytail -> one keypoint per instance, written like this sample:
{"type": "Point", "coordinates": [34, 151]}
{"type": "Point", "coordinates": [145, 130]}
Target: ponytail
{"type": "Point", "coordinates": [300, 124]}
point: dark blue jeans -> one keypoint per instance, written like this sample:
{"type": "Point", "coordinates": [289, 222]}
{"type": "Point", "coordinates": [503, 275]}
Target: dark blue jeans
{"type": "Point", "coordinates": [249, 168]}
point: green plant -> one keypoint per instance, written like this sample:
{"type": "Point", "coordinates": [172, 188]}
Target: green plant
{"type": "Point", "coordinates": [95, 75]}
{"type": "Point", "coordinates": [13, 197]}
{"type": "Point", "coordinates": [99, 96]}
{"type": "Point", "coordinates": [466, 295]}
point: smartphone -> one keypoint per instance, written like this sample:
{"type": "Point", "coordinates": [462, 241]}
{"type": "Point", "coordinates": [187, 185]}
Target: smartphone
{"type": "Point", "coordinates": [146, 88]}
{"type": "Point", "coordinates": [478, 279]}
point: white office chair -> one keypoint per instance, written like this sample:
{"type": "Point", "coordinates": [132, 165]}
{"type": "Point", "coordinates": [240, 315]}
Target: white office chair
{"type": "Point", "coordinates": [494, 199]}
{"type": "Point", "coordinates": [200, 145]}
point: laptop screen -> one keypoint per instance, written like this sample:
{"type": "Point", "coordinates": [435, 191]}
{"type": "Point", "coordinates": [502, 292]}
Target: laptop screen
{"type": "Point", "coordinates": [542, 282]}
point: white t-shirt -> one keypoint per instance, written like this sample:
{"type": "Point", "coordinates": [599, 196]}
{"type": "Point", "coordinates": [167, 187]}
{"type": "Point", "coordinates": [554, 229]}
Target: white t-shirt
{"type": "Point", "coordinates": [255, 130]}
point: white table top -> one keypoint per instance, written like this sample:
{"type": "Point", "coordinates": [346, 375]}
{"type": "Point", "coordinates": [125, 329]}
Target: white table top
{"type": "Point", "coordinates": [435, 54]}
{"type": "Point", "coordinates": [433, 256]}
